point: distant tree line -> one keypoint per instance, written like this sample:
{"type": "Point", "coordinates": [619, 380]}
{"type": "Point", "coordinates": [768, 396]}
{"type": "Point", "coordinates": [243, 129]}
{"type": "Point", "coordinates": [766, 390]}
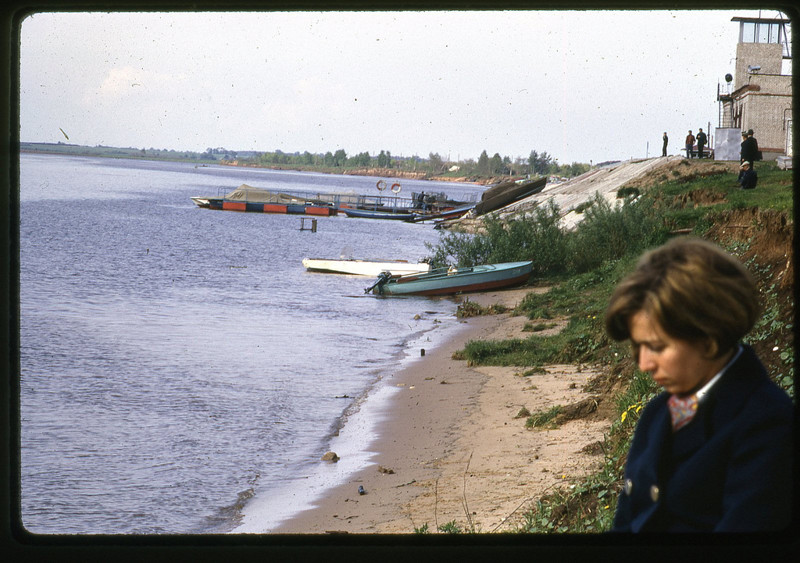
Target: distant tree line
{"type": "Point", "coordinates": [535, 164]}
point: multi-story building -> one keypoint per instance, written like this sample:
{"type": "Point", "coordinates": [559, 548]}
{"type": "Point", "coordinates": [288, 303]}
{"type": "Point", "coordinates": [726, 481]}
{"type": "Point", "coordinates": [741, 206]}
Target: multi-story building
{"type": "Point", "coordinates": [761, 95]}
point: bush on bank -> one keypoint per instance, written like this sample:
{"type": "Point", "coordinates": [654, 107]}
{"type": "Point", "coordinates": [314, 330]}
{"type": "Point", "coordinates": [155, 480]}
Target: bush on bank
{"type": "Point", "coordinates": [608, 232]}
{"type": "Point", "coordinates": [583, 267]}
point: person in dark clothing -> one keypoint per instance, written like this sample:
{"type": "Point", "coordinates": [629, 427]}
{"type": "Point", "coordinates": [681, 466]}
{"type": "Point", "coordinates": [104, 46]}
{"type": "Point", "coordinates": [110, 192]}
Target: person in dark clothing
{"type": "Point", "coordinates": [664, 148]}
{"type": "Point", "coordinates": [749, 148]}
{"type": "Point", "coordinates": [701, 142]}
{"type": "Point", "coordinates": [689, 144]}
{"type": "Point", "coordinates": [714, 451]}
{"type": "Point", "coordinates": [747, 176]}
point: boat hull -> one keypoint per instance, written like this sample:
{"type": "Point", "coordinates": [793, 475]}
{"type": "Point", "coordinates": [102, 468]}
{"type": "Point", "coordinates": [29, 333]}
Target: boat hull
{"type": "Point", "coordinates": [365, 267]}
{"type": "Point", "coordinates": [506, 194]}
{"type": "Point", "coordinates": [442, 282]}
{"type": "Point", "coordinates": [371, 214]}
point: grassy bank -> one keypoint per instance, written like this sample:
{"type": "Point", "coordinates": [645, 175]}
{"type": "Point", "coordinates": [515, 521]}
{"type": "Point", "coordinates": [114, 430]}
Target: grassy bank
{"type": "Point", "coordinates": [582, 268]}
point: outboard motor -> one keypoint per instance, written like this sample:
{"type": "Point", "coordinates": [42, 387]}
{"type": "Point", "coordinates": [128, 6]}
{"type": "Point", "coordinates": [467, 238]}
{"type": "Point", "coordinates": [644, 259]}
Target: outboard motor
{"type": "Point", "coordinates": [383, 277]}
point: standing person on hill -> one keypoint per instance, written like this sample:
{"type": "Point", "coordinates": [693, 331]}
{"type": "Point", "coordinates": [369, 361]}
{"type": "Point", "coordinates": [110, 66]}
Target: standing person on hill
{"type": "Point", "coordinates": [664, 147]}
{"type": "Point", "coordinates": [701, 142]}
{"type": "Point", "coordinates": [689, 144]}
{"type": "Point", "coordinates": [713, 451]}
{"type": "Point", "coordinates": [749, 151]}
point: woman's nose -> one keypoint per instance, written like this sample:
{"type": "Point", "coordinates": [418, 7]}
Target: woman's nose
{"type": "Point", "coordinates": [646, 360]}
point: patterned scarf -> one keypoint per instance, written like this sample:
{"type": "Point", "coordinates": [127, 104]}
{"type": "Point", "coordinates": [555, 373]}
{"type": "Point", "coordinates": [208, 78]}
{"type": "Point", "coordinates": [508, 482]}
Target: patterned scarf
{"type": "Point", "coordinates": [682, 410]}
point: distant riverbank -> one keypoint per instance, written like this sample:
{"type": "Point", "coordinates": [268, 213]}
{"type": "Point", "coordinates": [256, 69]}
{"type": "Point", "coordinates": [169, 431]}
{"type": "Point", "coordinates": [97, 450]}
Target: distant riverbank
{"type": "Point", "coordinates": [67, 149]}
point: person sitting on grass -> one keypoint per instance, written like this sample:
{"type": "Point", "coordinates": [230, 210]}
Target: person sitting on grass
{"type": "Point", "coordinates": [747, 176]}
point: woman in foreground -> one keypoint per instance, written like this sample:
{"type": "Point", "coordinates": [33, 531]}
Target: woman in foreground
{"type": "Point", "coordinates": [713, 452]}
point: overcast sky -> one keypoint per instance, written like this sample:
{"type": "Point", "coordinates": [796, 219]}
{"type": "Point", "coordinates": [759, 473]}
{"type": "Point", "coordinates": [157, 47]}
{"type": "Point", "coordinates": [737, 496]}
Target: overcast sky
{"type": "Point", "coordinates": [581, 86]}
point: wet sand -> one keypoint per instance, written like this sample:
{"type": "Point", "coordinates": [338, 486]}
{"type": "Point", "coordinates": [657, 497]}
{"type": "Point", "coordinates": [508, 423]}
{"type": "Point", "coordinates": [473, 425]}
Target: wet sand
{"type": "Point", "coordinates": [453, 449]}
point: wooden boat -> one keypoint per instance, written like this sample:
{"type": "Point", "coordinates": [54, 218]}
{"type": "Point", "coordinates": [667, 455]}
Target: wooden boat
{"type": "Point", "coordinates": [453, 213]}
{"type": "Point", "coordinates": [448, 281]}
{"type": "Point", "coordinates": [365, 267]}
{"type": "Point", "coordinates": [375, 214]}
{"type": "Point", "coordinates": [507, 193]}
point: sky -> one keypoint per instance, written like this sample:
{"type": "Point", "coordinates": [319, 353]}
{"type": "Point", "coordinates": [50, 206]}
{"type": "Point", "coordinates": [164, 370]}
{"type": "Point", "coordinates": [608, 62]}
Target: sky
{"type": "Point", "coordinates": [583, 87]}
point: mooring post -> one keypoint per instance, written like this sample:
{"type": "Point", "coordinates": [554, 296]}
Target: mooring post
{"type": "Point", "coordinates": [313, 228]}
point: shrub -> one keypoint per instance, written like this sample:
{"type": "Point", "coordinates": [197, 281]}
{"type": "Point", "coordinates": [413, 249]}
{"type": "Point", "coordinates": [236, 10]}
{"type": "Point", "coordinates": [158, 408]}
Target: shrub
{"type": "Point", "coordinates": [459, 249]}
{"type": "Point", "coordinates": [609, 233]}
{"type": "Point", "coordinates": [537, 237]}
{"type": "Point", "coordinates": [606, 233]}
{"type": "Point", "coordinates": [627, 191]}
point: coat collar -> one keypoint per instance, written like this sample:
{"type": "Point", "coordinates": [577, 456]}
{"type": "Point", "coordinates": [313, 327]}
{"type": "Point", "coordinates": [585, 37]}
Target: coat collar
{"type": "Point", "coordinates": [736, 385]}
{"type": "Point", "coordinates": [723, 402]}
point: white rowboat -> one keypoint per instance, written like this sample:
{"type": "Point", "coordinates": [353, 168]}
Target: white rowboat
{"type": "Point", "coordinates": [365, 267]}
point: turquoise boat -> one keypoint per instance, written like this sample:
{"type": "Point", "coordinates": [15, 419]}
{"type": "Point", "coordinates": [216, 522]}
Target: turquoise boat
{"type": "Point", "coordinates": [448, 281]}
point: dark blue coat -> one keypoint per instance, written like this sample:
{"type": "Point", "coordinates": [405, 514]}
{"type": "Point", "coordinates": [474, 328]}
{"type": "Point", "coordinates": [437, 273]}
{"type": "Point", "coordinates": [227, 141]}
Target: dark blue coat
{"type": "Point", "coordinates": [748, 179]}
{"type": "Point", "coordinates": [728, 470]}
{"type": "Point", "coordinates": [749, 150]}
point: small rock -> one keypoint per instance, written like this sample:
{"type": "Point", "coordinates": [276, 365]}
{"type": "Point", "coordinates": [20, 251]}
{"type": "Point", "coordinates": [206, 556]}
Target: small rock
{"type": "Point", "coordinates": [330, 456]}
{"type": "Point", "coordinates": [361, 490]}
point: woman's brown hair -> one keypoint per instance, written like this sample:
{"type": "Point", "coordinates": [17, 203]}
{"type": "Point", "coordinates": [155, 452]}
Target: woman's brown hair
{"type": "Point", "coordinates": [693, 289]}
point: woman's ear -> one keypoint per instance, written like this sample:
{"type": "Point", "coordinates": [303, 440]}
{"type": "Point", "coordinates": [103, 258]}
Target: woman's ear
{"type": "Point", "coordinates": [712, 348]}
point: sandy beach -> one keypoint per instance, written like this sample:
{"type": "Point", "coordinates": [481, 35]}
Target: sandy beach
{"type": "Point", "coordinates": [454, 449]}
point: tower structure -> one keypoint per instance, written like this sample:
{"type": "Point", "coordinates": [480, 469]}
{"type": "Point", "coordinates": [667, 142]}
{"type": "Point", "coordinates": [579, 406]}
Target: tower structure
{"type": "Point", "coordinates": [761, 98]}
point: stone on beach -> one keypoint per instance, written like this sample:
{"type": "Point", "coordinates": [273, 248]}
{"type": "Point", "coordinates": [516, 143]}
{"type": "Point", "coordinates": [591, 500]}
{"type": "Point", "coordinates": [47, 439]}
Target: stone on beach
{"type": "Point", "coordinates": [330, 456]}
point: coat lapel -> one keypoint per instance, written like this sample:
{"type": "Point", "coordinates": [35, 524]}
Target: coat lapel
{"type": "Point", "coordinates": [722, 403]}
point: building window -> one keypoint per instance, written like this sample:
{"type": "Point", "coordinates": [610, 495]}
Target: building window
{"type": "Point", "coordinates": [760, 32]}
{"type": "Point", "coordinates": [763, 33]}
{"type": "Point", "coordinates": [747, 31]}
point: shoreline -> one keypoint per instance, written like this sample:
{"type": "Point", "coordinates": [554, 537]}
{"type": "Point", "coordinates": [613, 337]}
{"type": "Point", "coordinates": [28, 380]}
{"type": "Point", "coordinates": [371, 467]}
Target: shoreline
{"type": "Point", "coordinates": [450, 449]}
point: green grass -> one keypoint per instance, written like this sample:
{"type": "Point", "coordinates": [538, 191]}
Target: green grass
{"type": "Point", "coordinates": [674, 203]}
{"type": "Point", "coordinates": [544, 419]}
{"type": "Point", "coordinates": [537, 327]}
